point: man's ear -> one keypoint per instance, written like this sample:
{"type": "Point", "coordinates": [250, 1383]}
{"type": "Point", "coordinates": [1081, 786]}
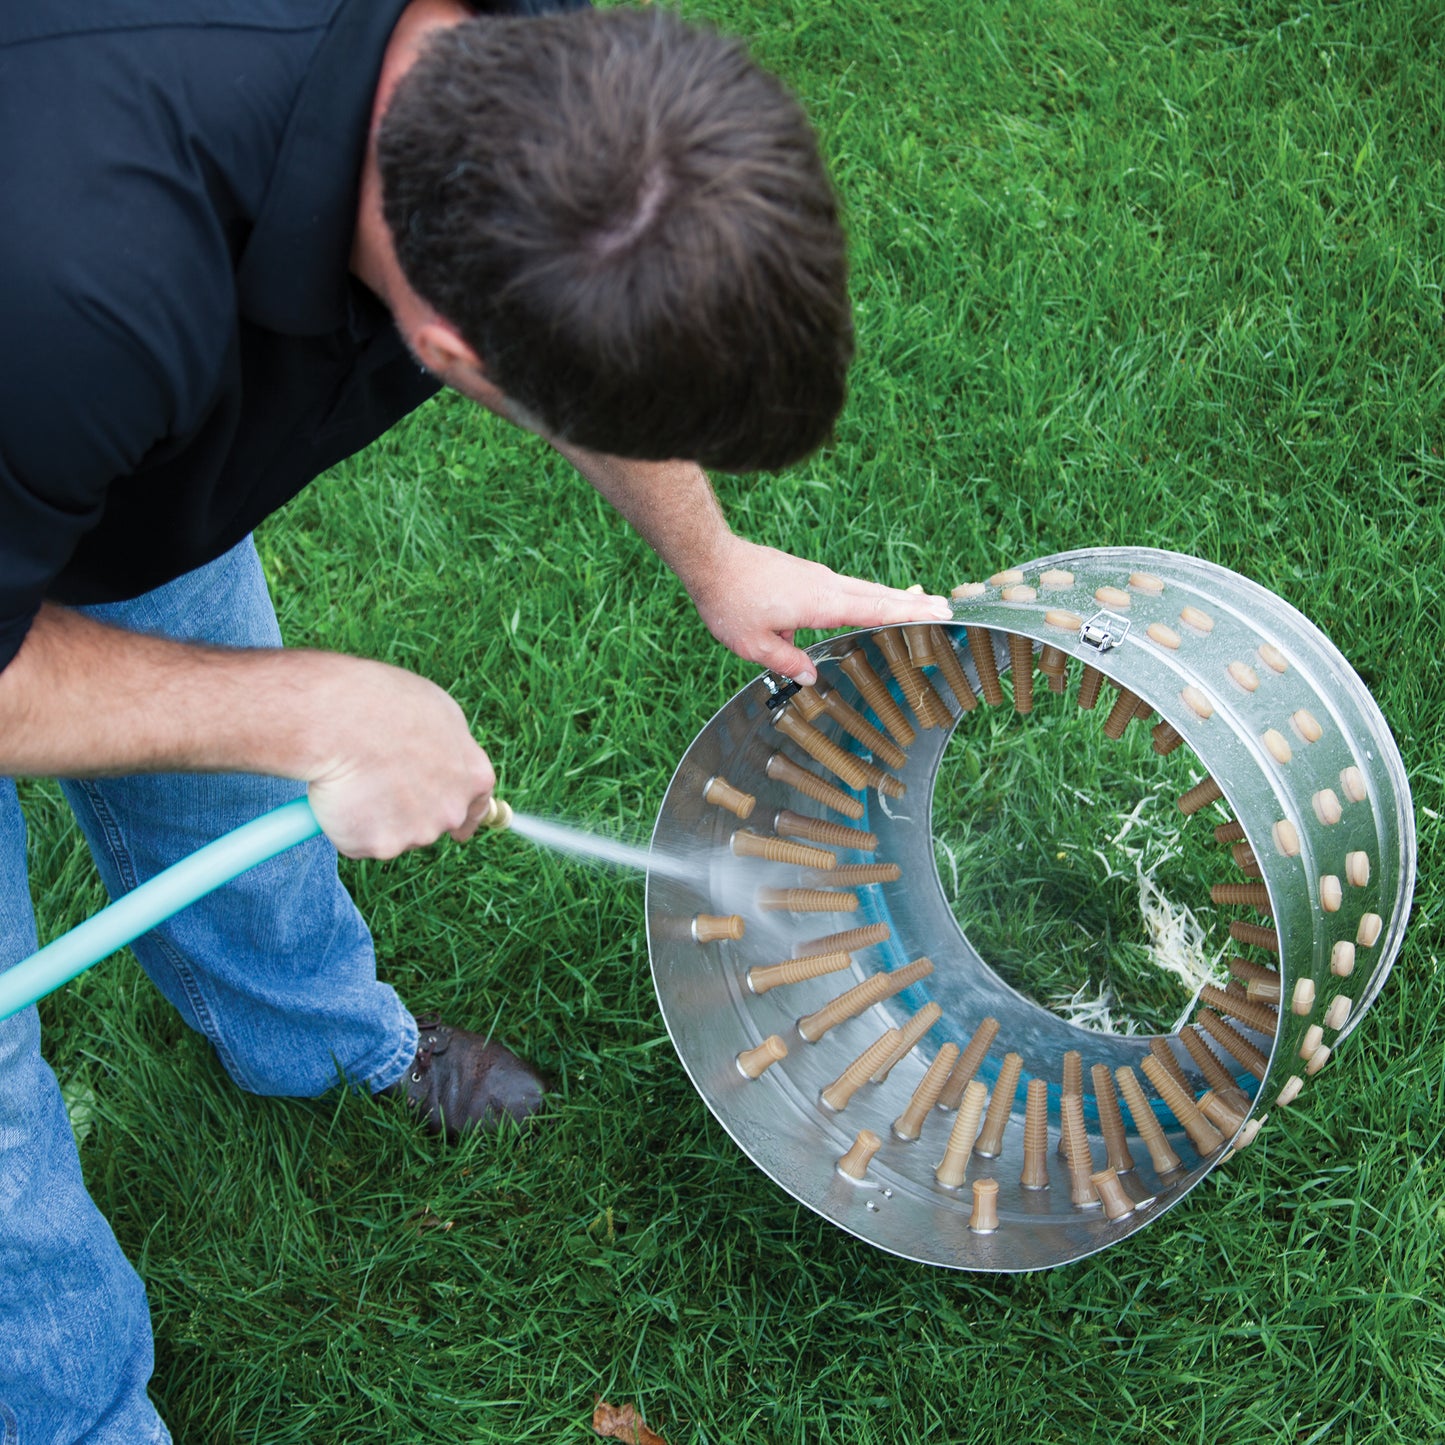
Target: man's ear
{"type": "Point", "coordinates": [440, 348]}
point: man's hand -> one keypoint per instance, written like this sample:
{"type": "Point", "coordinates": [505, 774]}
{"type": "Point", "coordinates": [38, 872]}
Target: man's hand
{"type": "Point", "coordinates": [401, 766]}
{"type": "Point", "coordinates": [753, 599]}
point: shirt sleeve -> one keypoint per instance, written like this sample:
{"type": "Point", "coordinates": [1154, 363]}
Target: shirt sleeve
{"type": "Point", "coordinates": [116, 303]}
{"type": "Point", "coordinates": [80, 405]}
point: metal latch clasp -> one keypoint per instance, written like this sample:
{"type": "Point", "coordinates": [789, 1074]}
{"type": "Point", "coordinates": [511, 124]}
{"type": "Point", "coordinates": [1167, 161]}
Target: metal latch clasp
{"type": "Point", "coordinates": [1104, 630]}
{"type": "Point", "coordinates": [780, 689]}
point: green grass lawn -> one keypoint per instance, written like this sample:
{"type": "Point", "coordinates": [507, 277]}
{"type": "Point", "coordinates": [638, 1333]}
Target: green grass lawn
{"type": "Point", "coordinates": [1125, 273]}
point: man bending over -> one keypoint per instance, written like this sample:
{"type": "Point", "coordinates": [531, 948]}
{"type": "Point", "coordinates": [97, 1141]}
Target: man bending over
{"type": "Point", "coordinates": [242, 241]}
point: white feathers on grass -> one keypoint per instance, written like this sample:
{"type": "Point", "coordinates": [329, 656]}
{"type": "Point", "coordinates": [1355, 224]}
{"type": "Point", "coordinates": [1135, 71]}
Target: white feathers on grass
{"type": "Point", "coordinates": [1093, 1013]}
{"type": "Point", "coordinates": [1178, 943]}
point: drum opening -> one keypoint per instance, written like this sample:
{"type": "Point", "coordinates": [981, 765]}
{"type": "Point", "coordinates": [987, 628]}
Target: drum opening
{"type": "Point", "coordinates": [1065, 858]}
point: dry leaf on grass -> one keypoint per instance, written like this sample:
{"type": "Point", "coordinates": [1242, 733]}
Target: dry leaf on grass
{"type": "Point", "coordinates": [427, 1220]}
{"type": "Point", "coordinates": [622, 1422]}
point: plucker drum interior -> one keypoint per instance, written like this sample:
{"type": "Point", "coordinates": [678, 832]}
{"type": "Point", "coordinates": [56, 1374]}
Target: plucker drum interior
{"type": "Point", "coordinates": [1298, 788]}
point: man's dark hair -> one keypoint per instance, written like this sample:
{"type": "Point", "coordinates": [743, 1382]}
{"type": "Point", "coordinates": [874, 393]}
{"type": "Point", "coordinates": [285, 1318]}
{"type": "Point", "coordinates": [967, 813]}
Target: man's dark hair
{"type": "Point", "coordinates": [630, 224]}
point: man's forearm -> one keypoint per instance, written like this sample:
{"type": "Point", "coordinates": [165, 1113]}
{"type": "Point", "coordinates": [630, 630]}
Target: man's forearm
{"type": "Point", "coordinates": [82, 699]}
{"type": "Point", "coordinates": [388, 756]}
{"type": "Point", "coordinates": [671, 505]}
{"type": "Point", "coordinates": [752, 598]}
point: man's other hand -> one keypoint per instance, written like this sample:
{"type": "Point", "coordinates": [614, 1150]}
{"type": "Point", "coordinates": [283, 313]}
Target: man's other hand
{"type": "Point", "coordinates": [753, 599]}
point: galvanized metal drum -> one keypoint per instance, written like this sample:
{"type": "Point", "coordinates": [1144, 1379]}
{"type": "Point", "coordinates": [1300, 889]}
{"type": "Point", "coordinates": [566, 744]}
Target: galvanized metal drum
{"type": "Point", "coordinates": [988, 1133]}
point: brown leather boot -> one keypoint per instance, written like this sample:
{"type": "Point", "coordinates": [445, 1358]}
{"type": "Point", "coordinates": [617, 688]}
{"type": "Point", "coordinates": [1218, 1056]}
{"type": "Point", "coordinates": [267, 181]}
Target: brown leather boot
{"type": "Point", "coordinates": [460, 1081]}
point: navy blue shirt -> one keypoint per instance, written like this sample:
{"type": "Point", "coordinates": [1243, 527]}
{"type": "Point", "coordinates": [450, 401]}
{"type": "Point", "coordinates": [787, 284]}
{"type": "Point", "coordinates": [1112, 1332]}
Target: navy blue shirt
{"type": "Point", "coordinates": [182, 346]}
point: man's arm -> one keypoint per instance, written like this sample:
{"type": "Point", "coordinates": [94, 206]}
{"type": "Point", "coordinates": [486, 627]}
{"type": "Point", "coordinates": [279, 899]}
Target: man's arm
{"type": "Point", "coordinates": [752, 598]}
{"type": "Point", "coordinates": [388, 756]}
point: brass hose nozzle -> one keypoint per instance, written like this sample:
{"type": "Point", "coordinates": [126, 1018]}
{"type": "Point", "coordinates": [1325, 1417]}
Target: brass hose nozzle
{"type": "Point", "coordinates": [497, 816]}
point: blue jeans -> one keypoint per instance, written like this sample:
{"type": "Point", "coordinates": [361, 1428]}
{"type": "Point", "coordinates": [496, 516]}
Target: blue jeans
{"type": "Point", "coordinates": [276, 970]}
